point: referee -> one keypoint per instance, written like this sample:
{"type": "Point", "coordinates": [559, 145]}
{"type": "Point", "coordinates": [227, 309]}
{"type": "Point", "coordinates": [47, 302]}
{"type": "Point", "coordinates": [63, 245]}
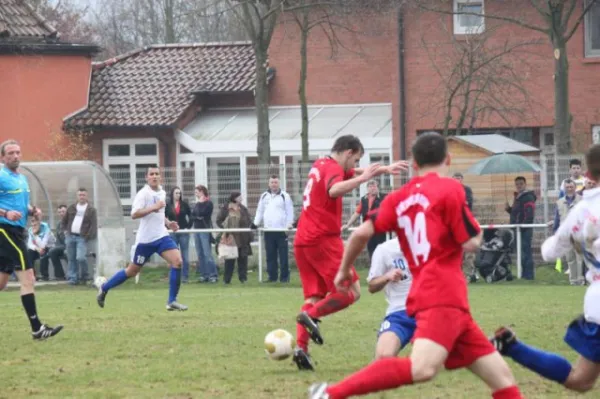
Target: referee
{"type": "Point", "coordinates": [14, 209]}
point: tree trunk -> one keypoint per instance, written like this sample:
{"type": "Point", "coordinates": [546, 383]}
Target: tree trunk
{"type": "Point", "coordinates": [302, 85]}
{"type": "Point", "coordinates": [562, 114]}
{"type": "Point", "coordinates": [261, 101]}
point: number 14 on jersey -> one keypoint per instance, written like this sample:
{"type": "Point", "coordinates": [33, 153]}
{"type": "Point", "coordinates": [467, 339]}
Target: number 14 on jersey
{"type": "Point", "coordinates": [416, 236]}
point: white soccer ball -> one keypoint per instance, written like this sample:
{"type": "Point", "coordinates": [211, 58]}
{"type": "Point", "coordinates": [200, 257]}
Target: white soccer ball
{"type": "Point", "coordinates": [279, 344]}
{"type": "Point", "coordinates": [98, 281]}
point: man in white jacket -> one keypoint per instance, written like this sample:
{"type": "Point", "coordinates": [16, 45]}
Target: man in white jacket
{"type": "Point", "coordinates": [276, 211]}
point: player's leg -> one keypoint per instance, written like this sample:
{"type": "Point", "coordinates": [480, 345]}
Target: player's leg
{"type": "Point", "coordinates": [328, 258]}
{"type": "Point", "coordinates": [139, 255]}
{"type": "Point", "coordinates": [314, 289]}
{"type": "Point", "coordinates": [582, 336]}
{"type": "Point", "coordinates": [425, 361]}
{"type": "Point", "coordinates": [4, 277]}
{"type": "Point", "coordinates": [494, 371]}
{"type": "Point", "coordinates": [437, 330]}
{"type": "Point", "coordinates": [170, 253]}
{"type": "Point", "coordinates": [396, 331]}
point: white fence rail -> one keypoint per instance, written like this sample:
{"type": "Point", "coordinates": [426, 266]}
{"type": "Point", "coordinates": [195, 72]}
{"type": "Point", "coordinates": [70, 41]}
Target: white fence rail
{"type": "Point", "coordinates": [261, 231]}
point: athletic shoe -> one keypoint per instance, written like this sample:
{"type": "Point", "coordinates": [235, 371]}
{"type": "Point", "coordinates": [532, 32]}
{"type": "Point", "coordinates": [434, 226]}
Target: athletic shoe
{"type": "Point", "coordinates": [503, 338]}
{"type": "Point", "coordinates": [311, 326]}
{"type": "Point", "coordinates": [303, 360]}
{"type": "Point", "coordinates": [176, 306]}
{"type": "Point", "coordinates": [46, 331]}
{"type": "Point", "coordinates": [317, 391]}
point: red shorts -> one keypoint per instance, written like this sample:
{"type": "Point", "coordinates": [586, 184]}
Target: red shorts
{"type": "Point", "coordinates": [318, 264]}
{"type": "Point", "coordinates": [456, 331]}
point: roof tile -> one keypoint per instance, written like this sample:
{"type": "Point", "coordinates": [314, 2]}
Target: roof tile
{"type": "Point", "coordinates": [19, 20]}
{"type": "Point", "coordinates": [154, 85]}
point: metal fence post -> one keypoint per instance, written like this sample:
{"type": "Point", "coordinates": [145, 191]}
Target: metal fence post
{"type": "Point", "coordinates": [519, 266]}
{"type": "Point", "coordinates": [260, 255]}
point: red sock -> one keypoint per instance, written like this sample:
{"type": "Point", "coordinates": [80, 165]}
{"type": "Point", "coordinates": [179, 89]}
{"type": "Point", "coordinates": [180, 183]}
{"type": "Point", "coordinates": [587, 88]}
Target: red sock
{"type": "Point", "coordinates": [331, 304]}
{"type": "Point", "coordinates": [508, 393]}
{"type": "Point", "coordinates": [380, 375]}
{"type": "Point", "coordinates": [302, 336]}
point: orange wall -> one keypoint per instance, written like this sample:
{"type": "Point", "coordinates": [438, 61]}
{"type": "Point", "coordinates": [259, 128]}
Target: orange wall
{"type": "Point", "coordinates": [36, 93]}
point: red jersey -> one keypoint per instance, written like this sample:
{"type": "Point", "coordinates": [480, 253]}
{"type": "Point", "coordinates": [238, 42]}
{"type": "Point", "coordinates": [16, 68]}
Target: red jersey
{"type": "Point", "coordinates": [321, 215]}
{"type": "Point", "coordinates": [432, 220]}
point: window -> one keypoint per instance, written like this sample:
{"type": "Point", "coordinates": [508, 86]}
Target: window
{"type": "Point", "coordinates": [127, 160]}
{"type": "Point", "coordinates": [596, 134]}
{"type": "Point", "coordinates": [118, 150]}
{"type": "Point", "coordinates": [592, 31]}
{"type": "Point", "coordinates": [548, 139]}
{"type": "Point", "coordinates": [145, 149]}
{"type": "Point", "coordinates": [465, 23]}
{"type": "Point", "coordinates": [384, 180]}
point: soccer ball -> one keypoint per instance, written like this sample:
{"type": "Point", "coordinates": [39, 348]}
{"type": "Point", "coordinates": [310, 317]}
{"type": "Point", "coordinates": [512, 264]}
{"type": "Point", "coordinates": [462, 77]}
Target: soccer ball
{"type": "Point", "coordinates": [279, 344]}
{"type": "Point", "coordinates": [98, 281]}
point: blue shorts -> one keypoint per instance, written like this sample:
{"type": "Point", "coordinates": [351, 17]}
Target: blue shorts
{"type": "Point", "coordinates": [400, 324]}
{"type": "Point", "coordinates": [584, 337]}
{"type": "Point", "coordinates": [140, 253]}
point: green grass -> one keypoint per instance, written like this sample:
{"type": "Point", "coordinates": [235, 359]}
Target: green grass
{"type": "Point", "coordinates": [134, 348]}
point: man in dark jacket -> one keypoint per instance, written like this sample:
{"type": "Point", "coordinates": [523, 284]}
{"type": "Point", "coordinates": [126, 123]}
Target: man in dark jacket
{"type": "Point", "coordinates": [368, 203]}
{"type": "Point", "coordinates": [522, 211]}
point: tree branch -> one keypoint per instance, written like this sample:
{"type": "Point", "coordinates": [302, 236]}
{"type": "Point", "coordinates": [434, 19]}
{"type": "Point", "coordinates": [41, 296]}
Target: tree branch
{"type": "Point", "coordinates": [587, 8]}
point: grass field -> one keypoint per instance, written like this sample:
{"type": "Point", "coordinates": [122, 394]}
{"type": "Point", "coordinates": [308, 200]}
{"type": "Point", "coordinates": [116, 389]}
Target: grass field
{"type": "Point", "coordinates": [134, 348]}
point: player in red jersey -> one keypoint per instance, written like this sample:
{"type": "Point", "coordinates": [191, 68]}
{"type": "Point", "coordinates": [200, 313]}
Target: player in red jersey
{"type": "Point", "coordinates": [318, 246]}
{"type": "Point", "coordinates": [434, 226]}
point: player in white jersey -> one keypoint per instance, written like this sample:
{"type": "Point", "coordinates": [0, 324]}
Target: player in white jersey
{"type": "Point", "coordinates": [581, 231]}
{"type": "Point", "coordinates": [389, 271]}
{"type": "Point", "coordinates": [152, 237]}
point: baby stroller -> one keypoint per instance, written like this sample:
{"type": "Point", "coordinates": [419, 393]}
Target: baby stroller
{"type": "Point", "coordinates": [493, 260]}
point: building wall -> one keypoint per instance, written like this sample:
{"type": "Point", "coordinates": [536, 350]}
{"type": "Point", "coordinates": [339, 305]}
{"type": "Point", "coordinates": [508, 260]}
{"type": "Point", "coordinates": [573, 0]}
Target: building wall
{"type": "Point", "coordinates": [36, 93]}
{"type": "Point", "coordinates": [369, 73]}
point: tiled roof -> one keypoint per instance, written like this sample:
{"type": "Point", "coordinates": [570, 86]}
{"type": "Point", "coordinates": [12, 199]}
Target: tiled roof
{"type": "Point", "coordinates": [154, 85]}
{"type": "Point", "coordinates": [18, 20]}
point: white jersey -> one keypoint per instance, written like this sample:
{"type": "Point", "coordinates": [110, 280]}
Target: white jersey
{"type": "Point", "coordinates": [581, 231]}
{"type": "Point", "coordinates": [389, 256]}
{"type": "Point", "coordinates": [152, 226]}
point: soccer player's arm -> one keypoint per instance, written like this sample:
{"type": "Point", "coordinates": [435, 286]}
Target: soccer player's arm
{"type": "Point", "coordinates": [138, 210]}
{"type": "Point", "coordinates": [560, 243]}
{"type": "Point", "coordinates": [462, 223]}
{"type": "Point", "coordinates": [339, 183]}
{"type": "Point", "coordinates": [378, 273]}
{"type": "Point", "coordinates": [260, 210]}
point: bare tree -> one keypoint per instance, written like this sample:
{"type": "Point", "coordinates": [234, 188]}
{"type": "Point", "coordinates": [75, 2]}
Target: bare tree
{"type": "Point", "coordinates": [68, 18]}
{"type": "Point", "coordinates": [559, 21]}
{"type": "Point", "coordinates": [478, 79]}
{"type": "Point", "coordinates": [332, 18]}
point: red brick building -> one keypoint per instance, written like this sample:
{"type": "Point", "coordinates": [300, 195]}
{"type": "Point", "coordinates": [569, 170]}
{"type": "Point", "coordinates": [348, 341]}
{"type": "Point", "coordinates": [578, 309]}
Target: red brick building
{"type": "Point", "coordinates": [191, 106]}
{"type": "Point", "coordinates": [42, 78]}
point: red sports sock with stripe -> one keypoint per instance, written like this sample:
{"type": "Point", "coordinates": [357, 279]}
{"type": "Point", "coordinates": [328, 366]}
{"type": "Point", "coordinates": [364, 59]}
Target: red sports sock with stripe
{"type": "Point", "coordinates": [302, 336]}
{"type": "Point", "coordinates": [380, 375]}
{"type": "Point", "coordinates": [331, 304]}
{"type": "Point", "coordinates": [508, 393]}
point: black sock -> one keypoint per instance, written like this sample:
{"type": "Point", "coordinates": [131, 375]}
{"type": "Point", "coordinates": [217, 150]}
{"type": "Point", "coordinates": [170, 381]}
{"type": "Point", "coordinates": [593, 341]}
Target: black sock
{"type": "Point", "coordinates": [29, 305]}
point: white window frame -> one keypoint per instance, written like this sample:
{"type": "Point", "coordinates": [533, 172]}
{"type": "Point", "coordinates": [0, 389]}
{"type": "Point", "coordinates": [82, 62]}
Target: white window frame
{"type": "Point", "coordinates": [589, 52]}
{"type": "Point", "coordinates": [462, 30]}
{"type": "Point", "coordinates": [132, 160]}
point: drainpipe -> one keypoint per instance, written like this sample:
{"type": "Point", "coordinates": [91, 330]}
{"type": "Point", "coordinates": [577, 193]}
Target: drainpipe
{"type": "Point", "coordinates": [401, 85]}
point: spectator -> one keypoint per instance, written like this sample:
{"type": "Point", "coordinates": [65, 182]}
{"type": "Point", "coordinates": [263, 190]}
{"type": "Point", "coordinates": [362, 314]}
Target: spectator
{"type": "Point", "coordinates": [563, 207]}
{"type": "Point", "coordinates": [368, 202]}
{"type": "Point", "coordinates": [38, 244]}
{"type": "Point", "coordinates": [57, 252]}
{"type": "Point", "coordinates": [81, 226]}
{"type": "Point", "coordinates": [202, 216]}
{"type": "Point", "coordinates": [235, 215]}
{"type": "Point", "coordinates": [178, 210]}
{"type": "Point", "coordinates": [522, 211]}
{"type": "Point", "coordinates": [275, 211]}
{"type": "Point", "coordinates": [576, 177]}
{"type": "Point", "coordinates": [468, 257]}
